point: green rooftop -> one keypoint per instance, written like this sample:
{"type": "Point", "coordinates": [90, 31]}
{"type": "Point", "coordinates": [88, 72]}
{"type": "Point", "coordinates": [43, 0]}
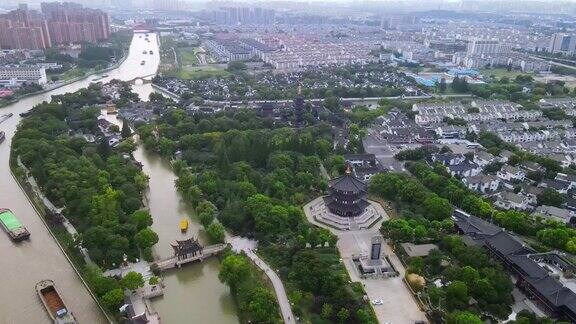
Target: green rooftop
{"type": "Point", "coordinates": [10, 220]}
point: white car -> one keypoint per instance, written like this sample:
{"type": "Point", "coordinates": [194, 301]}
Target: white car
{"type": "Point", "coordinates": [377, 302]}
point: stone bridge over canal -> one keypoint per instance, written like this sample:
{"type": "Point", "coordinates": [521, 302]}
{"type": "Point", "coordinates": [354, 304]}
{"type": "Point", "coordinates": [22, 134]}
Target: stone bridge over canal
{"type": "Point", "coordinates": [143, 79]}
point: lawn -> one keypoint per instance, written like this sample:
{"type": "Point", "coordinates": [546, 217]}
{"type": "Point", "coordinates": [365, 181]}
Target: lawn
{"type": "Point", "coordinates": [187, 56]}
{"type": "Point", "coordinates": [197, 72]}
{"type": "Point", "coordinates": [75, 72]}
{"type": "Point", "coordinates": [501, 72]}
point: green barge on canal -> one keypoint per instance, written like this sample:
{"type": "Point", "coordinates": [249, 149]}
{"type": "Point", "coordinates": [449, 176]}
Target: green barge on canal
{"type": "Point", "coordinates": [12, 226]}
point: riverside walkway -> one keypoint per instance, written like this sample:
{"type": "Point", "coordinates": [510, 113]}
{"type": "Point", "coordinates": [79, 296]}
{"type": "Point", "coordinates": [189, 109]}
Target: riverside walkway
{"type": "Point", "coordinates": [241, 244]}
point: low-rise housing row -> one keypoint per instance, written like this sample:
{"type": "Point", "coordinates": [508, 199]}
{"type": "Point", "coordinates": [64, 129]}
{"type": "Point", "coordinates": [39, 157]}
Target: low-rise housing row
{"type": "Point", "coordinates": [477, 111]}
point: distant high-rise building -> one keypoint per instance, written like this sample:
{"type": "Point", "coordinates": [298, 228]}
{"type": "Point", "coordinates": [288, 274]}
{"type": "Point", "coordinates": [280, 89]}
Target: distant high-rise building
{"type": "Point", "coordinates": [243, 15]}
{"type": "Point", "coordinates": [562, 43]}
{"type": "Point", "coordinates": [23, 29]}
{"type": "Point", "coordinates": [72, 23]}
{"type": "Point", "coordinates": [59, 23]}
{"type": "Point", "coordinates": [482, 46]}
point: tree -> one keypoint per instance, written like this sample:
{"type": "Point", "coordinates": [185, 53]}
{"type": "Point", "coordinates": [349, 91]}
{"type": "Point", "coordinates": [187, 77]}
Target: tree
{"type": "Point", "coordinates": [132, 281]}
{"type": "Point", "coordinates": [343, 315]}
{"type": "Point", "coordinates": [456, 295]}
{"type": "Point", "coordinates": [216, 233]}
{"type": "Point", "coordinates": [236, 66]}
{"type": "Point", "coordinates": [326, 311]}
{"type": "Point", "coordinates": [323, 148]}
{"type": "Point", "coordinates": [206, 219]}
{"type": "Point", "coordinates": [332, 240]}
{"type": "Point", "coordinates": [437, 208]}
{"type": "Point", "coordinates": [442, 85]}
{"type": "Point", "coordinates": [262, 305]}
{"type": "Point", "coordinates": [113, 299]}
{"type": "Point", "coordinates": [141, 218]}
{"type": "Point", "coordinates": [153, 280]}
{"type": "Point", "coordinates": [126, 132]}
{"type": "Point", "coordinates": [99, 283]}
{"type": "Point", "coordinates": [127, 146]}
{"type": "Point", "coordinates": [234, 269]}
{"type": "Point", "coordinates": [146, 238]}
{"type": "Point", "coordinates": [463, 317]}
{"type": "Point", "coordinates": [155, 97]}
{"type": "Point", "coordinates": [551, 197]}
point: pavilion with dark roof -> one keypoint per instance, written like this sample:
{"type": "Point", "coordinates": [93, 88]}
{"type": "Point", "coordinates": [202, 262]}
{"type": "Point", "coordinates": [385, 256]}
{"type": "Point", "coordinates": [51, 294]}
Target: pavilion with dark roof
{"type": "Point", "coordinates": [187, 248]}
{"type": "Point", "coordinates": [347, 196]}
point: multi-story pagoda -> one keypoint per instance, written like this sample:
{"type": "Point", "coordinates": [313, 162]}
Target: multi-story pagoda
{"type": "Point", "coordinates": [347, 196]}
{"type": "Point", "coordinates": [299, 108]}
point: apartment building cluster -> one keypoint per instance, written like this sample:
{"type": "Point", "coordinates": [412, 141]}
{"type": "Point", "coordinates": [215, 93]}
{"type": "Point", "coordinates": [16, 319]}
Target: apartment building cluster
{"type": "Point", "coordinates": [528, 130]}
{"type": "Point", "coordinates": [242, 16]}
{"type": "Point", "coordinates": [301, 51]}
{"type": "Point", "coordinates": [475, 111]}
{"type": "Point", "coordinates": [482, 53]}
{"type": "Point", "coordinates": [57, 23]}
{"type": "Point", "coordinates": [243, 49]}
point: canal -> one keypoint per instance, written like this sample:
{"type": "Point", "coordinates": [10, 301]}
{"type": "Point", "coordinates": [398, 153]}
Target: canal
{"type": "Point", "coordinates": [192, 293]}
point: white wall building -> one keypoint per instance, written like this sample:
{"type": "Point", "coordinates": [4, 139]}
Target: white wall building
{"type": "Point", "coordinates": [23, 73]}
{"type": "Point", "coordinates": [484, 46]}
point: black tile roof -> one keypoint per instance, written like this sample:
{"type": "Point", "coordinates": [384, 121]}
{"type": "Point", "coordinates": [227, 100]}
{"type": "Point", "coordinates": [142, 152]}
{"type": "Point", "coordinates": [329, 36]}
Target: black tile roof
{"type": "Point", "coordinates": [469, 224]}
{"type": "Point", "coordinates": [347, 183]}
{"type": "Point", "coordinates": [556, 295]}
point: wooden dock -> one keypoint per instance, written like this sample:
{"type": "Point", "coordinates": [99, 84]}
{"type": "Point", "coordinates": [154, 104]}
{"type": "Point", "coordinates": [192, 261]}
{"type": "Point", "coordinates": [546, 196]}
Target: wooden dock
{"type": "Point", "coordinates": [175, 262]}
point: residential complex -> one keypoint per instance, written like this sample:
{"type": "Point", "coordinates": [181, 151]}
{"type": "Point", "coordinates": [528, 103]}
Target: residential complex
{"type": "Point", "coordinates": [58, 23]}
{"type": "Point", "coordinates": [242, 15]}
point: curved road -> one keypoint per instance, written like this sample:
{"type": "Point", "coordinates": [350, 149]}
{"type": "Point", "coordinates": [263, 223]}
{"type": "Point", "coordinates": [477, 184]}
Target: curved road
{"type": "Point", "coordinates": [40, 258]}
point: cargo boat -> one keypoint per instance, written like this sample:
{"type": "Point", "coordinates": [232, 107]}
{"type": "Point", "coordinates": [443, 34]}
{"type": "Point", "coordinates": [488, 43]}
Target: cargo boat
{"type": "Point", "coordinates": [5, 117]}
{"type": "Point", "coordinates": [54, 303]}
{"type": "Point", "coordinates": [183, 225]}
{"type": "Point", "coordinates": [2, 136]}
{"type": "Point", "coordinates": [12, 226]}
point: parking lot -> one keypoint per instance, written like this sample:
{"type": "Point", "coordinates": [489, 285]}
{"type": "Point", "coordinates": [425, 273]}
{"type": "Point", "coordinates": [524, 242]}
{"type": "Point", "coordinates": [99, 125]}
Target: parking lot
{"type": "Point", "coordinates": [384, 151]}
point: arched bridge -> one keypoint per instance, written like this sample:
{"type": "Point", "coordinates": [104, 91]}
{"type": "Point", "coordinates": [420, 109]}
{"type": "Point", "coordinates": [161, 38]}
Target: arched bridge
{"type": "Point", "coordinates": [143, 79]}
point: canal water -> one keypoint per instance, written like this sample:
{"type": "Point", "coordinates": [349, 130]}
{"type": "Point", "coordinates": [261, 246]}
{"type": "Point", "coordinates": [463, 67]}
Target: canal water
{"type": "Point", "coordinates": [192, 293]}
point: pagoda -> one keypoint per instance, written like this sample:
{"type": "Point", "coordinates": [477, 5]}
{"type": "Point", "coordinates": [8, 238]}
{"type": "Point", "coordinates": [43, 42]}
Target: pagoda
{"type": "Point", "coordinates": [346, 196]}
{"type": "Point", "coordinates": [299, 108]}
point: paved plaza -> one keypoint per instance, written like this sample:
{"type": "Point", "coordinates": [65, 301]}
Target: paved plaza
{"type": "Point", "coordinates": [399, 306]}
{"type": "Point", "coordinates": [322, 214]}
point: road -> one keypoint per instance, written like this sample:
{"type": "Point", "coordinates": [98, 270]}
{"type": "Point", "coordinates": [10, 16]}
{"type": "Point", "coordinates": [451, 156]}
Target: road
{"type": "Point", "coordinates": [247, 246]}
{"type": "Point", "coordinates": [366, 101]}
{"type": "Point", "coordinates": [553, 63]}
